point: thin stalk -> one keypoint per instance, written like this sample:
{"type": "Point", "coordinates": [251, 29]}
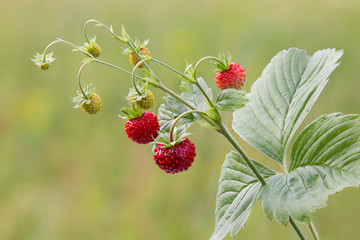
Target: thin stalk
{"type": "Point", "coordinates": [297, 229]}
{"type": "Point", "coordinates": [313, 231]}
{"type": "Point", "coordinates": [47, 47]}
{"type": "Point", "coordinates": [133, 76]}
{"type": "Point", "coordinates": [204, 93]}
{"type": "Point", "coordinates": [179, 117]}
{"type": "Point", "coordinates": [115, 67]}
{"type": "Point", "coordinates": [80, 86]}
{"type": "Point", "coordinates": [225, 132]}
{"type": "Point", "coordinates": [202, 59]}
{"type": "Point", "coordinates": [170, 92]}
{"type": "Point", "coordinates": [105, 27]}
{"type": "Point", "coordinates": [167, 66]}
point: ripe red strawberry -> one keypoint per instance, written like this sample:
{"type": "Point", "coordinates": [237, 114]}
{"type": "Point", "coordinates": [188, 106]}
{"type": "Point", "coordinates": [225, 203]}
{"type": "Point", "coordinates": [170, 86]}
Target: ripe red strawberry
{"type": "Point", "coordinates": [234, 77]}
{"type": "Point", "coordinates": [176, 158]}
{"type": "Point", "coordinates": [143, 129]}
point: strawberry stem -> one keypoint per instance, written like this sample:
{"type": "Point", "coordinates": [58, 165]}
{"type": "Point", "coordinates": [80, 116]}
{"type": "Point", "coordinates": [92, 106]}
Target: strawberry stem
{"type": "Point", "coordinates": [79, 74]}
{"type": "Point", "coordinates": [313, 231]}
{"type": "Point", "coordinates": [167, 66]}
{"type": "Point", "coordinates": [202, 59]}
{"type": "Point", "coordinates": [133, 75]}
{"type": "Point", "coordinates": [117, 37]}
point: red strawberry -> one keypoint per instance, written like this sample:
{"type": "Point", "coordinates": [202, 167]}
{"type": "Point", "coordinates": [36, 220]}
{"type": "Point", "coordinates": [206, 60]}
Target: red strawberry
{"type": "Point", "coordinates": [176, 158]}
{"type": "Point", "coordinates": [143, 129]}
{"type": "Point", "coordinates": [232, 78]}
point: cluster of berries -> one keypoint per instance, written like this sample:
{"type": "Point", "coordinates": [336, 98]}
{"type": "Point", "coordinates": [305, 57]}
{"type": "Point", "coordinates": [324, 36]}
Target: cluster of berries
{"type": "Point", "coordinates": [142, 126]}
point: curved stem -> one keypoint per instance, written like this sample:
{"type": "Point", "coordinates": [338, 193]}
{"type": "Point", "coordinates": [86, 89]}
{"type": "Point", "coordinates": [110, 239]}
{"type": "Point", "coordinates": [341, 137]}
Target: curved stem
{"type": "Point", "coordinates": [85, 29]}
{"type": "Point", "coordinates": [79, 74]}
{"type": "Point", "coordinates": [105, 27]}
{"type": "Point", "coordinates": [202, 59]}
{"type": "Point", "coordinates": [179, 117]}
{"type": "Point", "coordinates": [47, 47]}
{"type": "Point", "coordinates": [313, 231]}
{"type": "Point", "coordinates": [76, 47]}
{"type": "Point", "coordinates": [133, 76]}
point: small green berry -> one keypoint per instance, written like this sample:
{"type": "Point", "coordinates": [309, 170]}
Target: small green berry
{"type": "Point", "coordinates": [146, 102]}
{"type": "Point", "coordinates": [44, 66]}
{"type": "Point", "coordinates": [94, 106]}
{"type": "Point", "coordinates": [94, 50]}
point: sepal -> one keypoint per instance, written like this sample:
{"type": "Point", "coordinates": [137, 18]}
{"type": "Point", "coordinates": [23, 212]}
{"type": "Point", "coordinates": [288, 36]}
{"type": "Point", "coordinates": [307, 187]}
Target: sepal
{"type": "Point", "coordinates": [43, 61]}
{"type": "Point", "coordinates": [223, 64]}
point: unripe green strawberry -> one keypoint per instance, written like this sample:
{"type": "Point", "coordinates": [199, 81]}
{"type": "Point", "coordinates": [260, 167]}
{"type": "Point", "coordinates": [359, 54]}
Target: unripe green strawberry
{"type": "Point", "coordinates": [95, 50]}
{"type": "Point", "coordinates": [44, 66]}
{"type": "Point", "coordinates": [146, 102]}
{"type": "Point", "coordinates": [94, 106]}
{"type": "Point", "coordinates": [92, 47]}
{"type": "Point", "coordinates": [134, 59]}
{"type": "Point", "coordinates": [87, 99]}
{"type": "Point", "coordinates": [43, 61]}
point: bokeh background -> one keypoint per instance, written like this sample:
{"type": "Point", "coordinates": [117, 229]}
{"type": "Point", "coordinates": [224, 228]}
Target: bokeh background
{"type": "Point", "coordinates": [67, 175]}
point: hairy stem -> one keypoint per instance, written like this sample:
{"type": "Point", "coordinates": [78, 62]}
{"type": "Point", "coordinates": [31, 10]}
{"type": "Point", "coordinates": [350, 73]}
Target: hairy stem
{"type": "Point", "coordinates": [313, 231]}
{"type": "Point", "coordinates": [225, 132]}
{"type": "Point", "coordinates": [296, 228]}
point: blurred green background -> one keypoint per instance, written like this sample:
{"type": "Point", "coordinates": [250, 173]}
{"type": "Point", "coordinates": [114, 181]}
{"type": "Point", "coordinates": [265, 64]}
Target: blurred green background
{"type": "Point", "coordinates": [67, 175]}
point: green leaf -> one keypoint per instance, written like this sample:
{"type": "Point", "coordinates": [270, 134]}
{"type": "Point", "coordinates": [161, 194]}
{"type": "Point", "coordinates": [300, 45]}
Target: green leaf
{"type": "Point", "coordinates": [170, 110]}
{"type": "Point", "coordinates": [281, 98]}
{"type": "Point", "coordinates": [192, 94]}
{"type": "Point", "coordinates": [238, 192]}
{"type": "Point", "coordinates": [172, 107]}
{"type": "Point", "coordinates": [230, 99]}
{"type": "Point", "coordinates": [325, 159]}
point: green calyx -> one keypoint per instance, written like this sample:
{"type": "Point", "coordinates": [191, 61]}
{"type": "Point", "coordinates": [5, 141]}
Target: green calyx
{"type": "Point", "coordinates": [80, 99]}
{"type": "Point", "coordinates": [146, 101]}
{"type": "Point", "coordinates": [164, 138]}
{"type": "Point", "coordinates": [223, 63]}
{"type": "Point", "coordinates": [129, 114]}
{"type": "Point", "coordinates": [43, 61]}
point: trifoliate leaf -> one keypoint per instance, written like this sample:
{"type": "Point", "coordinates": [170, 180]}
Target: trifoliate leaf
{"type": "Point", "coordinates": [230, 99]}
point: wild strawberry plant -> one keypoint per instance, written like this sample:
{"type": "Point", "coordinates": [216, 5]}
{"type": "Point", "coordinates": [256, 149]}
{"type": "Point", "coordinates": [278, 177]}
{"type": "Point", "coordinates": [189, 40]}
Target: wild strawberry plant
{"type": "Point", "coordinates": [323, 159]}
